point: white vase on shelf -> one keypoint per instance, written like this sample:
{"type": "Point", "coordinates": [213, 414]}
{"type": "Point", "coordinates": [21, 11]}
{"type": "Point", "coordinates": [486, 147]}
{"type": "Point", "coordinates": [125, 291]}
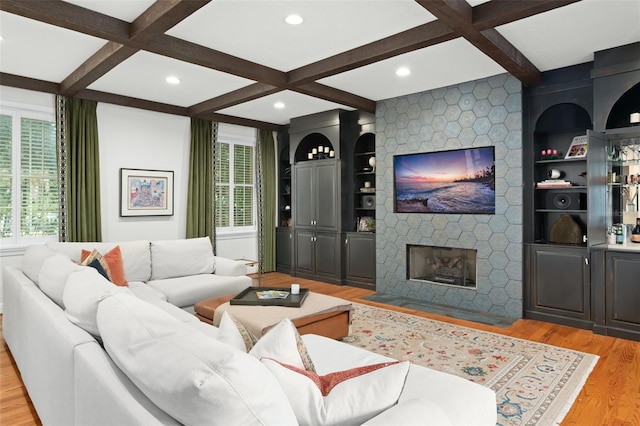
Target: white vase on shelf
{"type": "Point", "coordinates": [372, 163]}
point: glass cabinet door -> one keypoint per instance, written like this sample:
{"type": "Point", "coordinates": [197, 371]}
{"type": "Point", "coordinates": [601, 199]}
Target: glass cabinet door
{"type": "Point", "coordinates": [623, 182]}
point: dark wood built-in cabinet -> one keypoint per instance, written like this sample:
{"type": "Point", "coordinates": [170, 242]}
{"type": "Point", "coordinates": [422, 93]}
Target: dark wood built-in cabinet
{"type": "Point", "coordinates": [623, 294]}
{"type": "Point", "coordinates": [581, 280]}
{"type": "Point", "coordinates": [316, 195]}
{"type": "Point", "coordinates": [360, 250]}
{"type": "Point", "coordinates": [327, 156]}
{"type": "Point", "coordinates": [559, 284]}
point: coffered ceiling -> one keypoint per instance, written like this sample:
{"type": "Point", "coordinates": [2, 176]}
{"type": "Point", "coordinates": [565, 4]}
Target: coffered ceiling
{"type": "Point", "coordinates": [236, 59]}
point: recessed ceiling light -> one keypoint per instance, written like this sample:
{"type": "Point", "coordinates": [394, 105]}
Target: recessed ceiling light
{"type": "Point", "coordinates": [294, 19]}
{"type": "Point", "coordinates": [279, 105]}
{"type": "Point", "coordinates": [403, 71]}
{"type": "Point", "coordinates": [172, 79]}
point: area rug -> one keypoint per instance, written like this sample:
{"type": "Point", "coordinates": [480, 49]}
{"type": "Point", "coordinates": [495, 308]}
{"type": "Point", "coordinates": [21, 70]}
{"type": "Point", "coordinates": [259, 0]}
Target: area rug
{"type": "Point", "coordinates": [534, 383]}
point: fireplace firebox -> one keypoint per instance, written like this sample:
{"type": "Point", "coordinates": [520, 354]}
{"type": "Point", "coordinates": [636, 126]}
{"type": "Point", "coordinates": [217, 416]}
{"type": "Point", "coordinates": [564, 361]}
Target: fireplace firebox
{"type": "Point", "coordinates": [442, 265]}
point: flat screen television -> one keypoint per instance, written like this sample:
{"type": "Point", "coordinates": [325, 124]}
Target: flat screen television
{"type": "Point", "coordinates": [455, 182]}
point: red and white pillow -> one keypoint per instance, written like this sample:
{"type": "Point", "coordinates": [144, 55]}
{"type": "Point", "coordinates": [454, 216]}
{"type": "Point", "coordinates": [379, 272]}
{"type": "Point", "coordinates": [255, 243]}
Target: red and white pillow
{"type": "Point", "coordinates": [351, 396]}
{"type": "Point", "coordinates": [344, 397]}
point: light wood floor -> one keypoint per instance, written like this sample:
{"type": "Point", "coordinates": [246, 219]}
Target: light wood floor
{"type": "Point", "coordinates": [611, 395]}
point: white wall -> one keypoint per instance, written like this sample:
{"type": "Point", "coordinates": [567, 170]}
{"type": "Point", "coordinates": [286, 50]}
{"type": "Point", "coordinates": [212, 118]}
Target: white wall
{"type": "Point", "coordinates": [138, 139]}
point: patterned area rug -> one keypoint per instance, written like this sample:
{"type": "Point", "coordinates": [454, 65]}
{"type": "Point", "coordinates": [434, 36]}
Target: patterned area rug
{"type": "Point", "coordinates": [534, 383]}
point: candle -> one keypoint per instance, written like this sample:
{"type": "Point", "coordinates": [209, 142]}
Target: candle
{"type": "Point", "coordinates": [635, 117]}
{"type": "Point", "coordinates": [310, 156]}
{"type": "Point", "coordinates": [295, 288]}
{"type": "Point", "coordinates": [326, 149]}
{"type": "Point", "coordinates": [320, 149]}
{"type": "Point", "coordinates": [332, 154]}
{"type": "Point", "coordinates": [314, 151]}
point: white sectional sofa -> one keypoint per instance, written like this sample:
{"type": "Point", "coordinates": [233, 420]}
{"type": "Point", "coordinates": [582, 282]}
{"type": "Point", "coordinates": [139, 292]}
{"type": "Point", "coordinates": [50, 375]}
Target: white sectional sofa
{"type": "Point", "coordinates": [107, 355]}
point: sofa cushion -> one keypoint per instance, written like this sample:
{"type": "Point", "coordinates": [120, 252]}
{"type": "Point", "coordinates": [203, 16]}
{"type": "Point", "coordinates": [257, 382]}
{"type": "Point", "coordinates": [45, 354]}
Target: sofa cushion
{"type": "Point", "coordinates": [364, 393]}
{"type": "Point", "coordinates": [54, 274]}
{"type": "Point", "coordinates": [136, 255]}
{"type": "Point", "coordinates": [84, 290]}
{"type": "Point", "coordinates": [188, 290]}
{"type": "Point", "coordinates": [196, 379]}
{"type": "Point", "coordinates": [283, 343]}
{"type": "Point", "coordinates": [145, 292]}
{"type": "Point", "coordinates": [412, 412]}
{"type": "Point", "coordinates": [179, 258]}
{"type": "Point", "coordinates": [113, 258]}
{"type": "Point", "coordinates": [33, 259]}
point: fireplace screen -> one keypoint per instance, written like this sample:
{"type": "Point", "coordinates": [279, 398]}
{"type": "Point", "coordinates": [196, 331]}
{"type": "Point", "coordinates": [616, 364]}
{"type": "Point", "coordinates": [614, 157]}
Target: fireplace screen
{"type": "Point", "coordinates": [442, 265]}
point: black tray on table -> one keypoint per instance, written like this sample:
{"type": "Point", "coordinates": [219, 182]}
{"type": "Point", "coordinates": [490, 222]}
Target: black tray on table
{"type": "Point", "coordinates": [249, 297]}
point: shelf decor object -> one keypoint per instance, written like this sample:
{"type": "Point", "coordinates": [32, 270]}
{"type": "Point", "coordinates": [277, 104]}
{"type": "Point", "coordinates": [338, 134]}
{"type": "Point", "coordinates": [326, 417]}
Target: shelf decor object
{"type": "Point", "coordinates": [146, 192]}
{"type": "Point", "coordinates": [566, 231]}
{"type": "Point", "coordinates": [578, 148]}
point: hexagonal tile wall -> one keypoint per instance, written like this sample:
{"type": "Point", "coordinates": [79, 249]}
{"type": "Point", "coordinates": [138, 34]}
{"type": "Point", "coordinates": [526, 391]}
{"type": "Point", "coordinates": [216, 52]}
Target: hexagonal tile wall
{"type": "Point", "coordinates": [486, 112]}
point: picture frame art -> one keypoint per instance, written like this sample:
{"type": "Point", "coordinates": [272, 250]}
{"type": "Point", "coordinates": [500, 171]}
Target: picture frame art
{"type": "Point", "coordinates": [578, 148]}
{"type": "Point", "coordinates": [146, 192]}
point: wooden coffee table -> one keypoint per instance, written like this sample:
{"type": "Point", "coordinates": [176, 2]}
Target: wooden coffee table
{"type": "Point", "coordinates": [319, 314]}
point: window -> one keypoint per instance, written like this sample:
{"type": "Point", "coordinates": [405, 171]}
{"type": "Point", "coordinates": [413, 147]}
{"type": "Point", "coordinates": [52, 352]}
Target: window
{"type": "Point", "coordinates": [28, 175]}
{"type": "Point", "coordinates": [235, 185]}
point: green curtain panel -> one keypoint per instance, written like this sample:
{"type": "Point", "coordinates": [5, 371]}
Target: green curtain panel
{"type": "Point", "coordinates": [83, 171]}
{"type": "Point", "coordinates": [200, 193]}
{"type": "Point", "coordinates": [267, 200]}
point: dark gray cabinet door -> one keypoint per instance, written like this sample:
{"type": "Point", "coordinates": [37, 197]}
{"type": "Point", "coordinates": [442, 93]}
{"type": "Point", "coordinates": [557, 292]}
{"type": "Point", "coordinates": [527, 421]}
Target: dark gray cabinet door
{"type": "Point", "coordinates": [326, 191]}
{"type": "Point", "coordinates": [327, 254]}
{"type": "Point", "coordinates": [560, 281]}
{"type": "Point", "coordinates": [623, 290]}
{"type": "Point", "coordinates": [284, 243]}
{"type": "Point", "coordinates": [305, 251]}
{"type": "Point", "coordinates": [316, 196]}
{"type": "Point", "coordinates": [317, 253]}
{"type": "Point", "coordinates": [304, 197]}
{"type": "Point", "coordinates": [360, 258]}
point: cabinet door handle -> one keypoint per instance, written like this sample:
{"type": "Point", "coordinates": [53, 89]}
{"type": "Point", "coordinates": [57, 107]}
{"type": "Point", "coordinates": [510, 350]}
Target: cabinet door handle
{"type": "Point", "coordinates": [346, 241]}
{"type": "Point", "coordinates": [586, 261]}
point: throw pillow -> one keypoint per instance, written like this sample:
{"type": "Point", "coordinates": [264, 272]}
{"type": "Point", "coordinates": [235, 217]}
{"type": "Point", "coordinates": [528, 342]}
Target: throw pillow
{"type": "Point", "coordinates": [89, 261]}
{"type": "Point", "coordinates": [54, 274]}
{"type": "Point", "coordinates": [194, 378]}
{"type": "Point", "coordinates": [283, 343]}
{"type": "Point", "coordinates": [33, 259]}
{"type": "Point", "coordinates": [232, 332]}
{"type": "Point", "coordinates": [95, 264]}
{"type": "Point", "coordinates": [352, 396]}
{"type": "Point", "coordinates": [84, 290]}
{"type": "Point", "coordinates": [116, 266]}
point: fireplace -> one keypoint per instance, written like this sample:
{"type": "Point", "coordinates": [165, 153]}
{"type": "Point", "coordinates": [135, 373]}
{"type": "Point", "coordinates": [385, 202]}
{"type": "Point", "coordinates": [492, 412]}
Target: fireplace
{"type": "Point", "coordinates": [442, 265]}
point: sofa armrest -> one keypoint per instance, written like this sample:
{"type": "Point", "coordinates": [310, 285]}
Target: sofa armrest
{"type": "Point", "coordinates": [229, 267]}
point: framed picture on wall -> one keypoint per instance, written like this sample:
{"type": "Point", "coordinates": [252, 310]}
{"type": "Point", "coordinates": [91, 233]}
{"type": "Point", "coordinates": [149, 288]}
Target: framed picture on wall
{"type": "Point", "coordinates": [146, 192]}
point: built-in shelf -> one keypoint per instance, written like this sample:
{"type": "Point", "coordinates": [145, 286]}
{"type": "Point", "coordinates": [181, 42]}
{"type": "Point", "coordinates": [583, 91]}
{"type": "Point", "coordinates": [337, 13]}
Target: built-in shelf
{"type": "Point", "coordinates": [561, 160]}
{"type": "Point", "coordinates": [579, 187]}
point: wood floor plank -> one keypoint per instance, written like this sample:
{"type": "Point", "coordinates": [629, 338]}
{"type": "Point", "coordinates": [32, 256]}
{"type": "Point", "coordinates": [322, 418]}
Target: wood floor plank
{"type": "Point", "coordinates": [611, 395]}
